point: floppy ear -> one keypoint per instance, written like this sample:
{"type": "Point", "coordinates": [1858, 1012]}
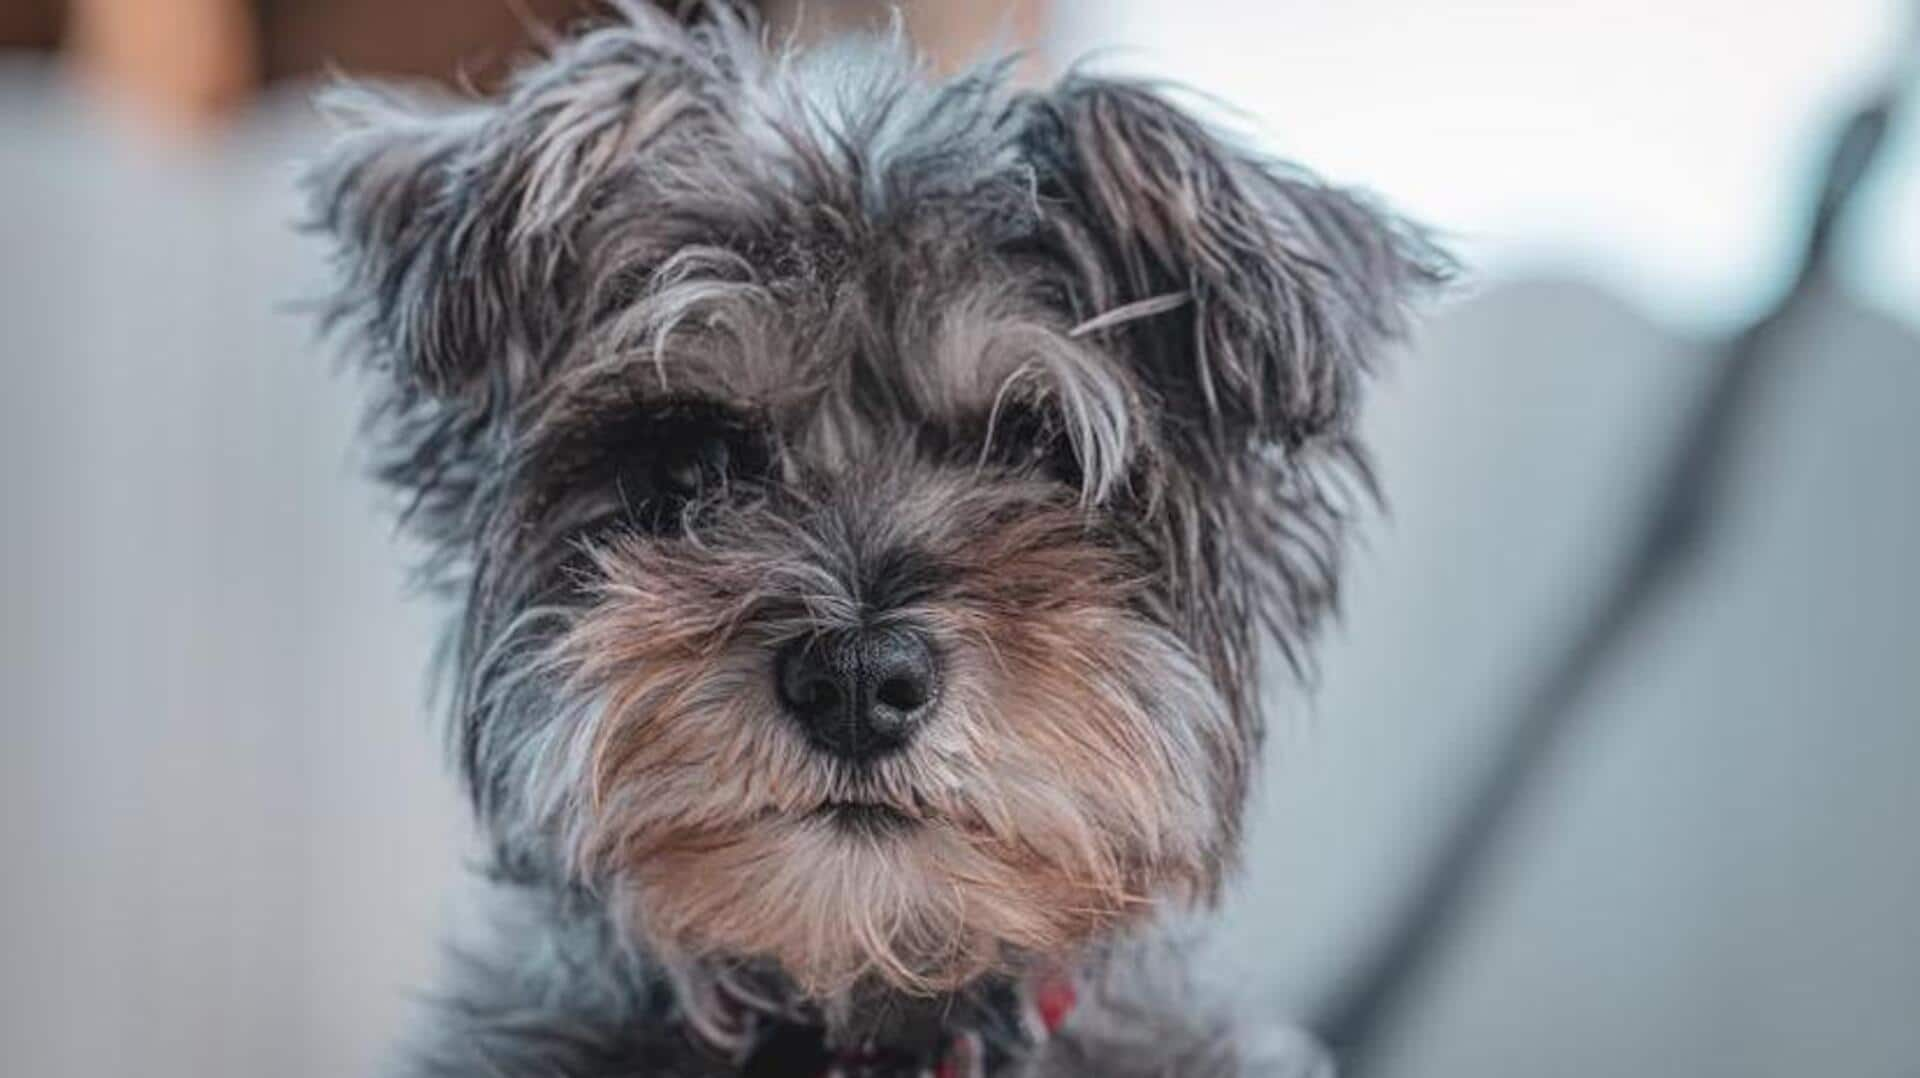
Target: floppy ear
{"type": "Point", "coordinates": [454, 225]}
{"type": "Point", "coordinates": [459, 233]}
{"type": "Point", "coordinates": [1251, 299]}
{"type": "Point", "coordinates": [393, 195]}
{"type": "Point", "coordinates": [1290, 285]}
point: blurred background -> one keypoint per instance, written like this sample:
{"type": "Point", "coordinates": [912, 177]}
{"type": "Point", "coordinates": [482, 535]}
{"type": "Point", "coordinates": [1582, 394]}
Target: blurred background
{"type": "Point", "coordinates": [226, 837]}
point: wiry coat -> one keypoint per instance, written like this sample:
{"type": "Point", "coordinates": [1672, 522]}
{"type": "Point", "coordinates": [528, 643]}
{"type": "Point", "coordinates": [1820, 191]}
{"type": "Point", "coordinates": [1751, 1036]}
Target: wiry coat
{"type": "Point", "coordinates": [1059, 380]}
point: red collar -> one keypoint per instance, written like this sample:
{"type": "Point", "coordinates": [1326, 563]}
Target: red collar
{"type": "Point", "coordinates": [1050, 998]}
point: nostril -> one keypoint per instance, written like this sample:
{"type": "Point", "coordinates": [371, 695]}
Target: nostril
{"type": "Point", "coordinates": [899, 671]}
{"type": "Point", "coordinates": [818, 694]}
{"type": "Point", "coordinates": [902, 693]}
{"type": "Point", "coordinates": [809, 680]}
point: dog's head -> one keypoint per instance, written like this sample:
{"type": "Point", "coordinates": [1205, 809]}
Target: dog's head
{"type": "Point", "coordinates": [868, 499]}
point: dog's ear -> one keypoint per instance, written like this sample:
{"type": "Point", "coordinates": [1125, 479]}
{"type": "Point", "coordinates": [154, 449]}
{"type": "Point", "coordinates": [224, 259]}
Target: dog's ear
{"type": "Point", "coordinates": [1251, 299]}
{"type": "Point", "coordinates": [460, 234]}
{"type": "Point", "coordinates": [454, 227]}
{"type": "Point", "coordinates": [1285, 287]}
{"type": "Point", "coordinates": [393, 196]}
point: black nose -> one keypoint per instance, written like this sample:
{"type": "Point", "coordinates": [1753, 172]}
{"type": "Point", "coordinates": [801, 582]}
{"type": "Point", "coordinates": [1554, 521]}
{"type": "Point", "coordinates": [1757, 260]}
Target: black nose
{"type": "Point", "coordinates": [858, 694]}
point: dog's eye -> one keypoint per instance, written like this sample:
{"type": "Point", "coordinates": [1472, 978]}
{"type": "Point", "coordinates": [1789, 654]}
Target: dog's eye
{"type": "Point", "coordinates": [675, 456]}
{"type": "Point", "coordinates": [687, 468]}
{"type": "Point", "coordinates": [1032, 437]}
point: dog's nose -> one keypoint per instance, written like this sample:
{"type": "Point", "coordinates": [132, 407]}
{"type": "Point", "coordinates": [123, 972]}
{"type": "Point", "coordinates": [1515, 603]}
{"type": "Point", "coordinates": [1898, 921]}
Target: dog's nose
{"type": "Point", "coordinates": [858, 694]}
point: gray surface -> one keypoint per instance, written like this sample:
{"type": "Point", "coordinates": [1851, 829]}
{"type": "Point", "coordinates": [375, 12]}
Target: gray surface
{"type": "Point", "coordinates": [1723, 880]}
{"type": "Point", "coordinates": [225, 837]}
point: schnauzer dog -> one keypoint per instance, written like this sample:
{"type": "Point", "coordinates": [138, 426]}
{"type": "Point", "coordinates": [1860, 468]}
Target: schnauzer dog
{"type": "Point", "coordinates": [868, 498]}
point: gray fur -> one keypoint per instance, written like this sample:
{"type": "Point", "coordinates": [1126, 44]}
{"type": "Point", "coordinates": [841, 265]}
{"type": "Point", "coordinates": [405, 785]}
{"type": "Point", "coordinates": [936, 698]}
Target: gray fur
{"type": "Point", "coordinates": [890, 277]}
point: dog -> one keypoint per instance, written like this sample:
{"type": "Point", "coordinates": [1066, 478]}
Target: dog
{"type": "Point", "coordinates": [870, 500]}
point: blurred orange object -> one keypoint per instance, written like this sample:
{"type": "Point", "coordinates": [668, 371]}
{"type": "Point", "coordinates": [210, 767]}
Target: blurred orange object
{"type": "Point", "coordinates": [184, 64]}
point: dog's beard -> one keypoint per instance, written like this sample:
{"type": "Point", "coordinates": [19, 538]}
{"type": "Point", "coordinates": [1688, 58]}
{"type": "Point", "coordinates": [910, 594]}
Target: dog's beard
{"type": "Point", "coordinates": [1078, 769]}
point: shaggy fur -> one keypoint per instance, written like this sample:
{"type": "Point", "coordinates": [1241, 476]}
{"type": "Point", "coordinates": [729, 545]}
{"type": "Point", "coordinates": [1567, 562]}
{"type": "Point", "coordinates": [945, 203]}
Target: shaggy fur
{"type": "Point", "coordinates": [686, 352]}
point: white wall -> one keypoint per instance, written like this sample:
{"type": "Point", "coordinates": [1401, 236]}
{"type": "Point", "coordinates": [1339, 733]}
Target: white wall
{"type": "Point", "coordinates": [1655, 144]}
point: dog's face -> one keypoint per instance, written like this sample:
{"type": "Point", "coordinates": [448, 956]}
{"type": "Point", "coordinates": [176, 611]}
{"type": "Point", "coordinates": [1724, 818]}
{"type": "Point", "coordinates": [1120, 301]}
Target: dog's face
{"type": "Point", "coordinates": [868, 500]}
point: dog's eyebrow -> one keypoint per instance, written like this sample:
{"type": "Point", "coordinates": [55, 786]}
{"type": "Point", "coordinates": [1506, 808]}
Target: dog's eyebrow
{"type": "Point", "coordinates": [1132, 312]}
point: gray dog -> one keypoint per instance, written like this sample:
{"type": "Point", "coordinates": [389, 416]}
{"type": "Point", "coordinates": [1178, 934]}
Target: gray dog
{"type": "Point", "coordinates": [868, 500]}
